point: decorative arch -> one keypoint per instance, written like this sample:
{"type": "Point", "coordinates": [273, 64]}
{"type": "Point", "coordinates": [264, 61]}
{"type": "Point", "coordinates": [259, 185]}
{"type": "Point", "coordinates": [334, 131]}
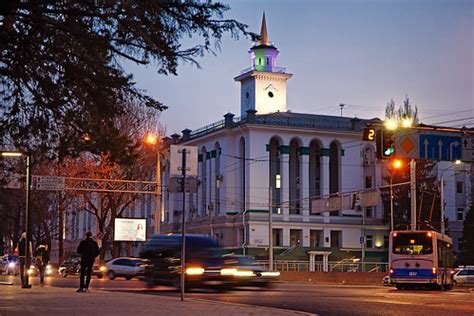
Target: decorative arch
{"type": "Point", "coordinates": [242, 178]}
{"type": "Point", "coordinates": [368, 167]}
{"type": "Point", "coordinates": [275, 171]}
{"type": "Point", "coordinates": [203, 181]}
{"type": "Point", "coordinates": [218, 180]}
{"type": "Point", "coordinates": [315, 168]}
{"type": "Point", "coordinates": [334, 167]}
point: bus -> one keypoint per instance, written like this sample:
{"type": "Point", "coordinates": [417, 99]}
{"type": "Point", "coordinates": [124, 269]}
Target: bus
{"type": "Point", "coordinates": [420, 258]}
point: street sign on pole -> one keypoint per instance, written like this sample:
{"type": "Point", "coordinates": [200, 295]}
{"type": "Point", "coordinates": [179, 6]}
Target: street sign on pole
{"type": "Point", "coordinates": [440, 147]}
{"type": "Point", "coordinates": [406, 144]}
{"type": "Point", "coordinates": [468, 148]}
{"type": "Point", "coordinates": [176, 160]}
{"type": "Point", "coordinates": [50, 183]}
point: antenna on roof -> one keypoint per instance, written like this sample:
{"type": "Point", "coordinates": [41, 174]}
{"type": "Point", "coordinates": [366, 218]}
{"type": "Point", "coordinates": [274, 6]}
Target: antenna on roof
{"type": "Point", "coordinates": [342, 107]}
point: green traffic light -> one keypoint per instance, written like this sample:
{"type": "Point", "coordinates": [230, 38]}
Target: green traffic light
{"type": "Point", "coordinates": [389, 151]}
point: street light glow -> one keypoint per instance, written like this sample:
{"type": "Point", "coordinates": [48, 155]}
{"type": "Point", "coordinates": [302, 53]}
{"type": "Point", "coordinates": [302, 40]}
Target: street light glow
{"type": "Point", "coordinates": [391, 124]}
{"type": "Point", "coordinates": [11, 154]}
{"type": "Point", "coordinates": [151, 139]}
{"type": "Point", "coordinates": [407, 122]}
{"type": "Point", "coordinates": [397, 163]}
{"type": "Point", "coordinates": [458, 162]}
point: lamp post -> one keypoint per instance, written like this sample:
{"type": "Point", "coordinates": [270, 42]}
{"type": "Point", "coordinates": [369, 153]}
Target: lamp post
{"type": "Point", "coordinates": [27, 214]}
{"type": "Point", "coordinates": [152, 139]}
{"type": "Point", "coordinates": [396, 164]}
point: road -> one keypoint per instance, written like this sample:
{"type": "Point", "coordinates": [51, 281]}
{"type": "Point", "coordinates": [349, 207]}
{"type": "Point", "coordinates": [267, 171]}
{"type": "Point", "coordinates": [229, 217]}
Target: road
{"type": "Point", "coordinates": [312, 298]}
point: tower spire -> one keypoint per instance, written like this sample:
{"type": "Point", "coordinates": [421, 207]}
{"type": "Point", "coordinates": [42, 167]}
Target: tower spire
{"type": "Point", "coordinates": [263, 31]}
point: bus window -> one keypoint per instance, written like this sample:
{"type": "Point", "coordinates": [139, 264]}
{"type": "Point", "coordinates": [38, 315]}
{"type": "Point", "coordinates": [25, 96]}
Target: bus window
{"type": "Point", "coordinates": [412, 244]}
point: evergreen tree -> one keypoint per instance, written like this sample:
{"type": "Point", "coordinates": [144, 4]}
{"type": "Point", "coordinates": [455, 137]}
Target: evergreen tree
{"type": "Point", "coordinates": [467, 246]}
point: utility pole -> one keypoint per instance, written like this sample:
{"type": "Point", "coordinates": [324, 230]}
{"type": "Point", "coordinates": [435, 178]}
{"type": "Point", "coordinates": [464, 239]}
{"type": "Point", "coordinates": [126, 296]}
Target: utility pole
{"type": "Point", "coordinates": [413, 193]}
{"type": "Point", "coordinates": [27, 223]}
{"type": "Point", "coordinates": [270, 228]}
{"type": "Point", "coordinates": [157, 214]}
{"type": "Point", "coordinates": [183, 222]}
{"type": "Point", "coordinates": [442, 205]}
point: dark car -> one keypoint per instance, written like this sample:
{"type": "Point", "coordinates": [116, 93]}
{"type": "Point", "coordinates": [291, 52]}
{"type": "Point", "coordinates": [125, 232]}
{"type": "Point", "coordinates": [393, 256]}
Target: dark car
{"type": "Point", "coordinates": [10, 265]}
{"type": "Point", "coordinates": [245, 272]}
{"type": "Point", "coordinates": [204, 261]}
{"type": "Point", "coordinates": [72, 266]}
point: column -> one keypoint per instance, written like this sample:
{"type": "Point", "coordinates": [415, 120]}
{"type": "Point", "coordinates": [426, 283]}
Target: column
{"type": "Point", "coordinates": [306, 237]}
{"type": "Point", "coordinates": [325, 182]}
{"type": "Point", "coordinates": [285, 185]}
{"type": "Point", "coordinates": [304, 186]}
{"type": "Point", "coordinates": [286, 235]}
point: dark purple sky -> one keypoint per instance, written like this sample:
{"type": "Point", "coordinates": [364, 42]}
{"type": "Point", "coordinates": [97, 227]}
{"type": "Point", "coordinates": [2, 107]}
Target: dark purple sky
{"type": "Point", "coordinates": [361, 53]}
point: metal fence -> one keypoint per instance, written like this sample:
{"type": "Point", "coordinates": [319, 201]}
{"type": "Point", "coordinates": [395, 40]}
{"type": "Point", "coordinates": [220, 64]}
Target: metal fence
{"type": "Point", "coordinates": [294, 265]}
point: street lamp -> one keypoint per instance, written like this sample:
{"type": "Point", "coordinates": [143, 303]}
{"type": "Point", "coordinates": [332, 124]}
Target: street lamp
{"type": "Point", "coordinates": [27, 213]}
{"type": "Point", "coordinates": [152, 139]}
{"type": "Point", "coordinates": [396, 164]}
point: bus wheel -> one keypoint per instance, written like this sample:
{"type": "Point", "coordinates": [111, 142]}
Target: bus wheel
{"type": "Point", "coordinates": [400, 287]}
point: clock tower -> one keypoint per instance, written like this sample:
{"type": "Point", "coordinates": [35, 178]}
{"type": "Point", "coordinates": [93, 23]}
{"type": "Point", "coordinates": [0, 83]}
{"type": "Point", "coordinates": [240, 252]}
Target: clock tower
{"type": "Point", "coordinates": [263, 85]}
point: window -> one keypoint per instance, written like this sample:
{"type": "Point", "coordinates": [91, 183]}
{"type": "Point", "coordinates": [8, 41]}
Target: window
{"type": "Point", "coordinates": [368, 182]}
{"type": "Point", "coordinates": [385, 241]}
{"type": "Point", "coordinates": [295, 237]}
{"type": "Point", "coordinates": [369, 212]}
{"type": "Point", "coordinates": [336, 238]}
{"type": "Point", "coordinates": [460, 214]}
{"type": "Point", "coordinates": [278, 181]}
{"type": "Point", "coordinates": [369, 241]}
{"type": "Point", "coordinates": [315, 237]}
{"type": "Point", "coordinates": [278, 237]}
{"type": "Point", "coordinates": [268, 61]}
{"type": "Point", "coordinates": [459, 186]}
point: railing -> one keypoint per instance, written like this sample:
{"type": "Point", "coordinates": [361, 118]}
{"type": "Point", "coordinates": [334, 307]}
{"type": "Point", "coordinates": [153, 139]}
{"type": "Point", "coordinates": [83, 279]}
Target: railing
{"type": "Point", "coordinates": [264, 68]}
{"type": "Point", "coordinates": [295, 265]}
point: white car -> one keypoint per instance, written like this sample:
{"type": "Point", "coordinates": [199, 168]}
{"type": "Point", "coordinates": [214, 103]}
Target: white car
{"type": "Point", "coordinates": [464, 276]}
{"type": "Point", "coordinates": [126, 267]}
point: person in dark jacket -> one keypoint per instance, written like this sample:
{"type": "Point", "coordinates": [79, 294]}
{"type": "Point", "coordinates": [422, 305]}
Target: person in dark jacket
{"type": "Point", "coordinates": [89, 250]}
{"type": "Point", "coordinates": [24, 263]}
{"type": "Point", "coordinates": [41, 259]}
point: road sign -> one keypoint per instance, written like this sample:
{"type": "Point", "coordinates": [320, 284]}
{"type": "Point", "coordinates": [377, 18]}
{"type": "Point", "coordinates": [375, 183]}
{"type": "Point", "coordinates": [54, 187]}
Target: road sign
{"type": "Point", "coordinates": [440, 147]}
{"type": "Point", "coordinates": [176, 160]}
{"type": "Point", "coordinates": [406, 144]}
{"type": "Point", "coordinates": [468, 148]}
{"type": "Point", "coordinates": [50, 183]}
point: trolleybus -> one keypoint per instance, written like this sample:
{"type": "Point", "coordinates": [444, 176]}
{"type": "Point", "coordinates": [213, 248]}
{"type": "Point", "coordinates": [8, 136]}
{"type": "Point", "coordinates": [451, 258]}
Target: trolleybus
{"type": "Point", "coordinates": [420, 258]}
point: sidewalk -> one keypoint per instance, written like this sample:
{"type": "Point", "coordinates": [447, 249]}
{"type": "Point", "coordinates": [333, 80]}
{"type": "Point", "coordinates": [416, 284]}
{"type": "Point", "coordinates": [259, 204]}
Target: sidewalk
{"type": "Point", "coordinates": [65, 301]}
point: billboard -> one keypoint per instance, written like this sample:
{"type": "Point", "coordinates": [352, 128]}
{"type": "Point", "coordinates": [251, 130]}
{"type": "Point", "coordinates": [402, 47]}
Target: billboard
{"type": "Point", "coordinates": [130, 229]}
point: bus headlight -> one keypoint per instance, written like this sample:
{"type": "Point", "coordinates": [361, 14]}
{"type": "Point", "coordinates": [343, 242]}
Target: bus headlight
{"type": "Point", "coordinates": [194, 271]}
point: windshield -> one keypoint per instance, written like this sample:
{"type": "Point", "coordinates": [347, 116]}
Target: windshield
{"type": "Point", "coordinates": [412, 244]}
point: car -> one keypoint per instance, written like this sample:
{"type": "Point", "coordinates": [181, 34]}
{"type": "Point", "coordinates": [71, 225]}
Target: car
{"type": "Point", "coordinates": [386, 281]}
{"type": "Point", "coordinates": [204, 262]}
{"type": "Point", "coordinates": [244, 272]}
{"type": "Point", "coordinates": [34, 271]}
{"type": "Point", "coordinates": [126, 267]}
{"type": "Point", "coordinates": [72, 266]}
{"type": "Point", "coordinates": [464, 276]}
{"type": "Point", "coordinates": [10, 264]}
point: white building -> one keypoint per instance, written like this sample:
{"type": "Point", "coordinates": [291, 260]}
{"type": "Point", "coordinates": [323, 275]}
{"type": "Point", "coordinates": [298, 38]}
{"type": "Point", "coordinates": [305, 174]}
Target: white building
{"type": "Point", "coordinates": [271, 154]}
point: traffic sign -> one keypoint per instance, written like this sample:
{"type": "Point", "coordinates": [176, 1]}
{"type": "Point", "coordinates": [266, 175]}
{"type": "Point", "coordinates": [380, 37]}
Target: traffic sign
{"type": "Point", "coordinates": [468, 149]}
{"type": "Point", "coordinates": [440, 147]}
{"type": "Point", "coordinates": [406, 144]}
{"type": "Point", "coordinates": [176, 160]}
{"type": "Point", "coordinates": [50, 183]}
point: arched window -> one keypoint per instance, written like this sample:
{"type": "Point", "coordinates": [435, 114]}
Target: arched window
{"type": "Point", "coordinates": [203, 181]}
{"type": "Point", "coordinates": [294, 177]}
{"type": "Point", "coordinates": [275, 172]}
{"type": "Point", "coordinates": [368, 163]}
{"type": "Point", "coordinates": [218, 179]}
{"type": "Point", "coordinates": [242, 174]}
{"type": "Point", "coordinates": [315, 169]}
{"type": "Point", "coordinates": [334, 167]}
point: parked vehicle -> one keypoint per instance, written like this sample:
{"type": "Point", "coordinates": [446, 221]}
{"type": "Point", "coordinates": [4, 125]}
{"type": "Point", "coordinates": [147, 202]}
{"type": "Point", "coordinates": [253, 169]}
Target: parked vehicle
{"type": "Point", "coordinates": [465, 275]}
{"type": "Point", "coordinates": [10, 264]}
{"type": "Point", "coordinates": [204, 261]}
{"type": "Point", "coordinates": [126, 267]}
{"type": "Point", "coordinates": [72, 266]}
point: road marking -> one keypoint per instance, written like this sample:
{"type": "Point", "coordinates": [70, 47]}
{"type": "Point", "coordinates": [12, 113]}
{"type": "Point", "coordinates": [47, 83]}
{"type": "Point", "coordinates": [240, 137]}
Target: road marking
{"type": "Point", "coordinates": [270, 309]}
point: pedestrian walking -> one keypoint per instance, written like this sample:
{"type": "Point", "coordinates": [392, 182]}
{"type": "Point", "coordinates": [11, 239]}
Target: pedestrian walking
{"type": "Point", "coordinates": [24, 264]}
{"type": "Point", "coordinates": [89, 250]}
{"type": "Point", "coordinates": [41, 259]}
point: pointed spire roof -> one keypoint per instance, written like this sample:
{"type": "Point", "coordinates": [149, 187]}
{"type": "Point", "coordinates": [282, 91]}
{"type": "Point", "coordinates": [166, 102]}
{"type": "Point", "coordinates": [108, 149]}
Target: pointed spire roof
{"type": "Point", "coordinates": [263, 31]}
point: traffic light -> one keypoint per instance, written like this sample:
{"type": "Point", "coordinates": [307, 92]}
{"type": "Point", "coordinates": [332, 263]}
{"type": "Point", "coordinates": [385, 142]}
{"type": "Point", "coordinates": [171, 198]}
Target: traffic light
{"type": "Point", "coordinates": [369, 134]}
{"type": "Point", "coordinates": [385, 144]}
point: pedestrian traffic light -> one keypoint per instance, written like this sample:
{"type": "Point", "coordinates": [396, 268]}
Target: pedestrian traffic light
{"type": "Point", "coordinates": [388, 143]}
{"type": "Point", "coordinates": [369, 134]}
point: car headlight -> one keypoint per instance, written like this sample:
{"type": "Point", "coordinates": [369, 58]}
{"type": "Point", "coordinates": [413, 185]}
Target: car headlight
{"type": "Point", "coordinates": [49, 267]}
{"type": "Point", "coordinates": [244, 273]}
{"type": "Point", "coordinates": [11, 264]}
{"type": "Point", "coordinates": [228, 271]}
{"type": "Point", "coordinates": [194, 271]}
{"type": "Point", "coordinates": [102, 269]}
{"type": "Point", "coordinates": [270, 274]}
{"type": "Point", "coordinates": [30, 271]}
